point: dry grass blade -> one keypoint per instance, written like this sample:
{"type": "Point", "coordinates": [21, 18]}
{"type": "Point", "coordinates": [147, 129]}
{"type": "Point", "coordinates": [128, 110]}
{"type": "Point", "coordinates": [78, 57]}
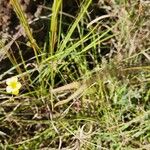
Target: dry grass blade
{"type": "Point", "coordinates": [17, 7]}
{"type": "Point", "coordinates": [75, 95]}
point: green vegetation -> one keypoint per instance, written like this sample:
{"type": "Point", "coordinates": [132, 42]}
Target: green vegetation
{"type": "Point", "coordinates": [86, 87]}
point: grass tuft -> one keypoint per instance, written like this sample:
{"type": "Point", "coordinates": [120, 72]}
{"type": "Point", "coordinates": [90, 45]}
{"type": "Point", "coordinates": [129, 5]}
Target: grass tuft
{"type": "Point", "coordinates": [87, 88]}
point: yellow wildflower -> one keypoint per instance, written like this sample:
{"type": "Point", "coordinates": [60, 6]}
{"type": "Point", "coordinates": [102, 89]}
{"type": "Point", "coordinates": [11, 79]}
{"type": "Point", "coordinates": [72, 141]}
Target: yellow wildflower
{"type": "Point", "coordinates": [13, 85]}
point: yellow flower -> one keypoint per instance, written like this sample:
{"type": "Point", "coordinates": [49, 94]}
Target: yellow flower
{"type": "Point", "coordinates": [13, 85]}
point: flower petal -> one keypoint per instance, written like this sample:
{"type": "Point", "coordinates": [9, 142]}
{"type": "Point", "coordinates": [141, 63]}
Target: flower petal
{"type": "Point", "coordinates": [10, 80]}
{"type": "Point", "coordinates": [18, 85]}
{"type": "Point", "coordinates": [15, 92]}
{"type": "Point", "coordinates": [8, 89]}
